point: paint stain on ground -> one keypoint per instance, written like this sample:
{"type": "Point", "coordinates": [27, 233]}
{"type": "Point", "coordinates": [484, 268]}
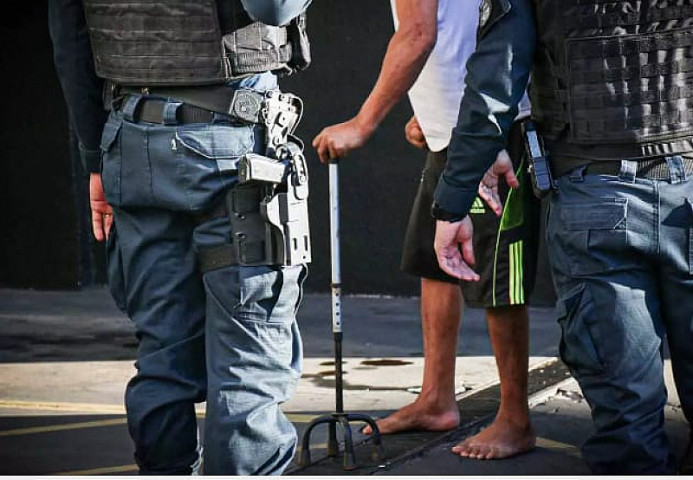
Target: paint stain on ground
{"type": "Point", "coordinates": [386, 362]}
{"type": "Point", "coordinates": [326, 378]}
{"type": "Point", "coordinates": [331, 363]}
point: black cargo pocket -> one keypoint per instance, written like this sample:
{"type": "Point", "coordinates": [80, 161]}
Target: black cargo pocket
{"type": "Point", "coordinates": [114, 269]}
{"type": "Point", "coordinates": [577, 347]}
{"type": "Point", "coordinates": [594, 235]}
{"type": "Point", "coordinates": [203, 164]}
{"type": "Point", "coordinates": [111, 164]}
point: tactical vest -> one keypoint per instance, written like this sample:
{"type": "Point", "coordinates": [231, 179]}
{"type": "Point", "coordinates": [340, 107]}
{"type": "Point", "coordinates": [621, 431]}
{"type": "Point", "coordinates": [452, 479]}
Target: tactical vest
{"type": "Point", "coordinates": [186, 42]}
{"type": "Point", "coordinates": [614, 79]}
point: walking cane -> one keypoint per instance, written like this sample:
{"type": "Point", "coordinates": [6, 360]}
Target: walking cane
{"type": "Point", "coordinates": [338, 417]}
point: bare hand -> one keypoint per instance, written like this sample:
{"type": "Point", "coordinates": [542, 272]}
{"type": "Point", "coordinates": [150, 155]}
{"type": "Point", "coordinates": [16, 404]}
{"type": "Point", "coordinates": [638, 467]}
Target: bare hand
{"type": "Point", "coordinates": [337, 141]}
{"type": "Point", "coordinates": [449, 236]}
{"type": "Point", "coordinates": [488, 188]}
{"type": "Point", "coordinates": [101, 212]}
{"type": "Point", "coordinates": [414, 134]}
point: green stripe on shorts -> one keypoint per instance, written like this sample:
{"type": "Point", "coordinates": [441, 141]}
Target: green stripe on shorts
{"type": "Point", "coordinates": [517, 292]}
{"type": "Point", "coordinates": [513, 216]}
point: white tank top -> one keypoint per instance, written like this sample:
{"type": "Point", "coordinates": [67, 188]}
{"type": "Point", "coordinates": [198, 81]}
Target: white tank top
{"type": "Point", "coordinates": [435, 96]}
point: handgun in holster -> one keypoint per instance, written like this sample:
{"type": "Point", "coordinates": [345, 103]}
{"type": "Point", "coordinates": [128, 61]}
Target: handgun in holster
{"type": "Point", "coordinates": [538, 165]}
{"type": "Point", "coordinates": [269, 209]}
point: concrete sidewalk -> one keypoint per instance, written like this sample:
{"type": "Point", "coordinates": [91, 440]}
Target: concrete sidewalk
{"type": "Point", "coordinates": [65, 358]}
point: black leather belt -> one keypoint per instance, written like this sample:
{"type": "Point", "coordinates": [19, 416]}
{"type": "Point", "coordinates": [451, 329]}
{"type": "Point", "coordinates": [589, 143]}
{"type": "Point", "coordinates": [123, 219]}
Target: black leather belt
{"type": "Point", "coordinates": [652, 169]}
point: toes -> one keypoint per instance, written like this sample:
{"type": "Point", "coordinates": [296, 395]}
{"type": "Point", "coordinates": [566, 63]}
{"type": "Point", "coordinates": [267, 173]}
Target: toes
{"type": "Point", "coordinates": [487, 453]}
{"type": "Point", "coordinates": [475, 452]}
{"type": "Point", "coordinates": [461, 448]}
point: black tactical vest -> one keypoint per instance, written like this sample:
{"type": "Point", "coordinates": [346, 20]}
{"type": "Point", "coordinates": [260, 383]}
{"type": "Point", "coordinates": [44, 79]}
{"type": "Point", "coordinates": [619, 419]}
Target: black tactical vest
{"type": "Point", "coordinates": [614, 78]}
{"type": "Point", "coordinates": [188, 42]}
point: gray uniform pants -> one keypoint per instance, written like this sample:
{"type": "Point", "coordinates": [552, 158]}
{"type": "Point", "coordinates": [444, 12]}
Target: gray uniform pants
{"type": "Point", "coordinates": [229, 336]}
{"type": "Point", "coordinates": [621, 251]}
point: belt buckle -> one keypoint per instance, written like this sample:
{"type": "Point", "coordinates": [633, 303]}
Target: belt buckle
{"type": "Point", "coordinates": [246, 105]}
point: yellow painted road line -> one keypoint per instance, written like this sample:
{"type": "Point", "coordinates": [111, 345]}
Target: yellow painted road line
{"type": "Point", "coordinates": [300, 417]}
{"type": "Point", "coordinates": [133, 468]}
{"type": "Point", "coordinates": [106, 409]}
{"type": "Point", "coordinates": [94, 408]}
{"type": "Point", "coordinates": [101, 471]}
{"type": "Point", "coordinates": [565, 448]}
{"type": "Point", "coordinates": [63, 427]}
{"type": "Point", "coordinates": [84, 408]}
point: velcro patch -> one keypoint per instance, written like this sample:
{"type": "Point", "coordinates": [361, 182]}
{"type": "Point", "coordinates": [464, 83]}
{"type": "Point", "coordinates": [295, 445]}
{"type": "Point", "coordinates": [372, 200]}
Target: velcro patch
{"type": "Point", "coordinates": [490, 11]}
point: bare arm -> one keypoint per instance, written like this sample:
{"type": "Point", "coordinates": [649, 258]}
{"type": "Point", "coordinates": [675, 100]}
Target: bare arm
{"type": "Point", "coordinates": [406, 55]}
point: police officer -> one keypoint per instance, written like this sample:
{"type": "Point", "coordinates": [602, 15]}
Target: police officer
{"type": "Point", "coordinates": [611, 94]}
{"type": "Point", "coordinates": [195, 258]}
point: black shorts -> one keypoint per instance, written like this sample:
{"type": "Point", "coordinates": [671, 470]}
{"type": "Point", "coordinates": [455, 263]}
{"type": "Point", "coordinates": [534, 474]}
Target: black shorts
{"type": "Point", "coordinates": [505, 248]}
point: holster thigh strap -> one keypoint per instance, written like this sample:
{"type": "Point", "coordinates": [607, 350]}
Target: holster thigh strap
{"type": "Point", "coordinates": [214, 258]}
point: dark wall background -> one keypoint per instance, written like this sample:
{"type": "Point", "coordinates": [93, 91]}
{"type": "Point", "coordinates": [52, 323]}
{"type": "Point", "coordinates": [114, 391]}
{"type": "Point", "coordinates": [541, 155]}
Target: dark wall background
{"type": "Point", "coordinates": [378, 182]}
{"type": "Point", "coordinates": [38, 239]}
{"type": "Point", "coordinates": [44, 243]}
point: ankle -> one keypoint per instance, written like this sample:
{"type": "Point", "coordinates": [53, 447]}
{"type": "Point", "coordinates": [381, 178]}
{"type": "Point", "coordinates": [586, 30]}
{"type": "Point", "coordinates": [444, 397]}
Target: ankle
{"type": "Point", "coordinates": [437, 396]}
{"type": "Point", "coordinates": [517, 419]}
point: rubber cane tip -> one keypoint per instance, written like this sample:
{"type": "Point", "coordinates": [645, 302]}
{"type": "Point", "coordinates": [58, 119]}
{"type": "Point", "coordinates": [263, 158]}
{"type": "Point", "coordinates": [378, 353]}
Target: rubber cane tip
{"type": "Point", "coordinates": [349, 462]}
{"type": "Point", "coordinates": [304, 458]}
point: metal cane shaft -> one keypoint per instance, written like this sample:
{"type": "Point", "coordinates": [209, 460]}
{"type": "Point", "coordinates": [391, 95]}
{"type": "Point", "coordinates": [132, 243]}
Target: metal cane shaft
{"type": "Point", "coordinates": [334, 237]}
{"type": "Point", "coordinates": [338, 374]}
{"type": "Point", "coordinates": [336, 284]}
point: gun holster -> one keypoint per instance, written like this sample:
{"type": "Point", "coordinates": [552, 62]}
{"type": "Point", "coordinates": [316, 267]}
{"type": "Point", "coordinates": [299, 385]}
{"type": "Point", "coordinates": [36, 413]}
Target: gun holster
{"type": "Point", "coordinates": [268, 210]}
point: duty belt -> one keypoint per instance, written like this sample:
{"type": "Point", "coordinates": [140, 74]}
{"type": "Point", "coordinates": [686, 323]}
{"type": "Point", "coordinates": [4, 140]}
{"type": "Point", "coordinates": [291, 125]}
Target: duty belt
{"type": "Point", "coordinates": [652, 169]}
{"type": "Point", "coordinates": [198, 104]}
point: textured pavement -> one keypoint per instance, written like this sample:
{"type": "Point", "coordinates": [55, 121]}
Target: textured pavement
{"type": "Point", "coordinates": [65, 358]}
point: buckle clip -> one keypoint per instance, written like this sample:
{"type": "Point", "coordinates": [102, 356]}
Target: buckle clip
{"type": "Point", "coordinates": [246, 105]}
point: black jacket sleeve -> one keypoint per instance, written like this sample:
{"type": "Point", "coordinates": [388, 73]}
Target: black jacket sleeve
{"type": "Point", "coordinates": [497, 75]}
{"type": "Point", "coordinates": [75, 67]}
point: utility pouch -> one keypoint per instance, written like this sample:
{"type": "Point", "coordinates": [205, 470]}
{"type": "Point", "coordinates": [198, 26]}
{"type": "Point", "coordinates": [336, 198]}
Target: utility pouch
{"type": "Point", "coordinates": [300, 45]}
{"type": "Point", "coordinates": [268, 209]}
{"type": "Point", "coordinates": [538, 162]}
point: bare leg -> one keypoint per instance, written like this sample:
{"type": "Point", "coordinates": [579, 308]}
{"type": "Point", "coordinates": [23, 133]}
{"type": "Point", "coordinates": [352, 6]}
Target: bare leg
{"type": "Point", "coordinates": [435, 407]}
{"type": "Point", "coordinates": [511, 432]}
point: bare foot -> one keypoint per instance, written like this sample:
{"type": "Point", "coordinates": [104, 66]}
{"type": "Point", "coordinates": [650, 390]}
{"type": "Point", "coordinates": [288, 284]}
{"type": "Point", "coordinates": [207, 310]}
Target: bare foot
{"type": "Point", "coordinates": [501, 439]}
{"type": "Point", "coordinates": [418, 416]}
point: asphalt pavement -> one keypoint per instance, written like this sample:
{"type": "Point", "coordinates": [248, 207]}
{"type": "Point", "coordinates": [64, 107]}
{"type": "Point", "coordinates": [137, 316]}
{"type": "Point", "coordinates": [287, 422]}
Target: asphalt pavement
{"type": "Point", "coordinates": [65, 358]}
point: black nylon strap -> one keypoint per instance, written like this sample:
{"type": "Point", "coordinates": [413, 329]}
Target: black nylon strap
{"type": "Point", "coordinates": [676, 119]}
{"type": "Point", "coordinates": [621, 19]}
{"type": "Point", "coordinates": [652, 169]}
{"type": "Point", "coordinates": [626, 99]}
{"type": "Point", "coordinates": [214, 258]}
{"type": "Point", "coordinates": [152, 110]}
{"type": "Point", "coordinates": [624, 46]}
{"type": "Point", "coordinates": [610, 75]}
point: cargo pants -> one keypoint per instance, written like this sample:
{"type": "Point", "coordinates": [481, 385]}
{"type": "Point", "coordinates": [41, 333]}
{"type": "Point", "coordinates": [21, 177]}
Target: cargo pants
{"type": "Point", "coordinates": [621, 252]}
{"type": "Point", "coordinates": [228, 336]}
